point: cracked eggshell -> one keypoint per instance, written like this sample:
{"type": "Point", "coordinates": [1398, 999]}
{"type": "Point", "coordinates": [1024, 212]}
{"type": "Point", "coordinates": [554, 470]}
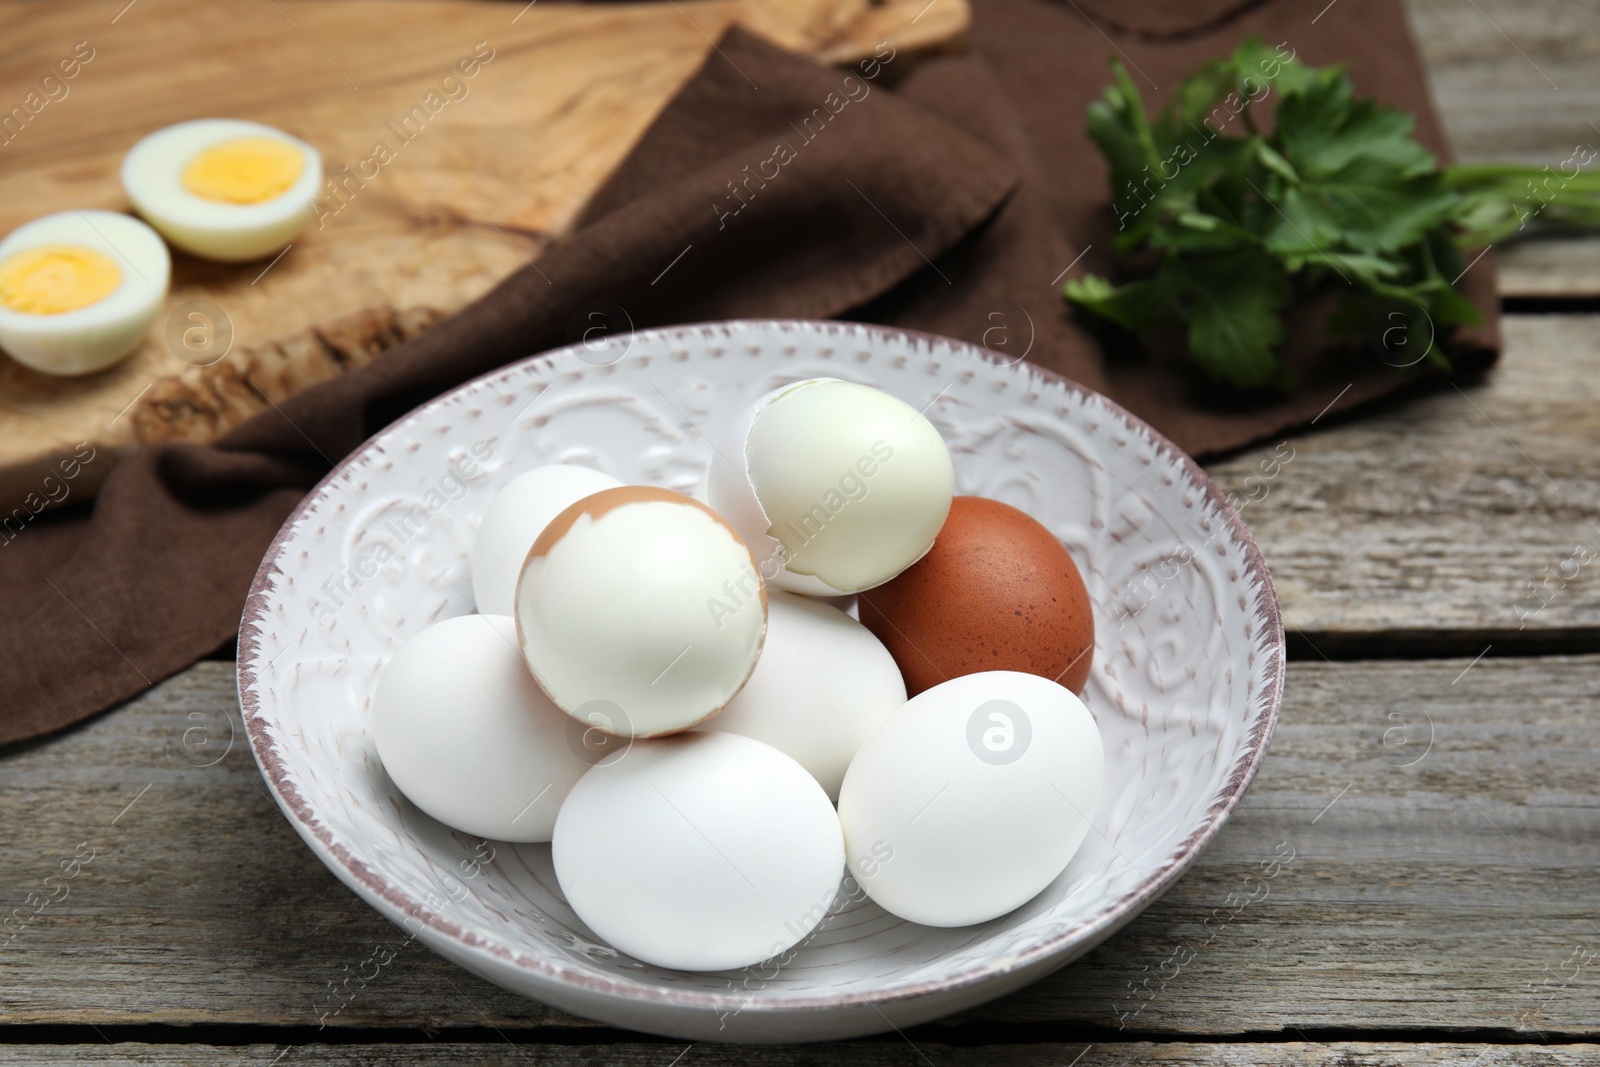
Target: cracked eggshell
{"type": "Point", "coordinates": [640, 611]}
{"type": "Point", "coordinates": [727, 488]}
{"type": "Point", "coordinates": [836, 486]}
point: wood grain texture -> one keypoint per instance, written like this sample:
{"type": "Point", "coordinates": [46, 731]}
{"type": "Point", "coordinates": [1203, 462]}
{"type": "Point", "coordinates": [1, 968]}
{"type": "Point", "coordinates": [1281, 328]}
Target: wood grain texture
{"type": "Point", "coordinates": [1453, 892]}
{"type": "Point", "coordinates": [895, 1053]}
{"type": "Point", "coordinates": [481, 172]}
{"type": "Point", "coordinates": [1458, 511]}
{"type": "Point", "coordinates": [1553, 266]}
{"type": "Point", "coordinates": [1515, 80]}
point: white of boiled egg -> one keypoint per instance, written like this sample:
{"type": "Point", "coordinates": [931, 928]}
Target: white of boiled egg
{"type": "Point", "coordinates": [516, 517]}
{"type": "Point", "coordinates": [79, 290]}
{"type": "Point", "coordinates": [972, 798]}
{"type": "Point", "coordinates": [823, 684]}
{"type": "Point", "coordinates": [701, 852]}
{"type": "Point", "coordinates": [469, 738]}
{"type": "Point", "coordinates": [224, 189]}
{"type": "Point", "coordinates": [641, 611]}
{"type": "Point", "coordinates": [837, 487]}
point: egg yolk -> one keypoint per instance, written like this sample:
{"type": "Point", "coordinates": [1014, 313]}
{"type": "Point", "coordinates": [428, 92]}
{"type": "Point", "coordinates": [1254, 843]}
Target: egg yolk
{"type": "Point", "coordinates": [245, 170]}
{"type": "Point", "coordinates": [53, 279]}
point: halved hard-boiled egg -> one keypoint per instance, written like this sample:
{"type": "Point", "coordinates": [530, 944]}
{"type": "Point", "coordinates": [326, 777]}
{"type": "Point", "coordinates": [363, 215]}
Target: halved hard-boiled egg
{"type": "Point", "coordinates": [224, 189]}
{"type": "Point", "coordinates": [79, 290]}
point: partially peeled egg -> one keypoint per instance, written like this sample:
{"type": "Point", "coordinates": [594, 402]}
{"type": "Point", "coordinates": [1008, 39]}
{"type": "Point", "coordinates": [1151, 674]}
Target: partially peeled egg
{"type": "Point", "coordinates": [837, 487]}
{"type": "Point", "coordinates": [640, 611]}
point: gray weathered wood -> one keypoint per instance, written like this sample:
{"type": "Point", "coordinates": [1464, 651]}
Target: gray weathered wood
{"type": "Point", "coordinates": [890, 1053]}
{"type": "Point", "coordinates": [1560, 266]}
{"type": "Point", "coordinates": [1496, 104]}
{"type": "Point", "coordinates": [1436, 512]}
{"type": "Point", "coordinates": [1451, 893]}
{"type": "Point", "coordinates": [1513, 79]}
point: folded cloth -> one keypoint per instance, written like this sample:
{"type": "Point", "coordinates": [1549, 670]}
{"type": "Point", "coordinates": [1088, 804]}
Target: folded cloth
{"type": "Point", "coordinates": [770, 186]}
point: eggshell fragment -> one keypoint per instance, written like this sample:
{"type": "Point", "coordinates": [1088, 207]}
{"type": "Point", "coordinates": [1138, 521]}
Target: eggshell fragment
{"type": "Point", "coordinates": [702, 852]}
{"type": "Point", "coordinates": [971, 798]}
{"type": "Point", "coordinates": [822, 686]}
{"type": "Point", "coordinates": [515, 518]}
{"type": "Point", "coordinates": [643, 603]}
{"type": "Point", "coordinates": [468, 737]}
{"type": "Point", "coordinates": [996, 592]}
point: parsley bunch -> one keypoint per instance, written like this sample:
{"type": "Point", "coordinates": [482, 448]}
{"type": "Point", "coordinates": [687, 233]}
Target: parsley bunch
{"type": "Point", "coordinates": [1224, 230]}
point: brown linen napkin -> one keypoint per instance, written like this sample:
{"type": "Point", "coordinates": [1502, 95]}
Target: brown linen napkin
{"type": "Point", "coordinates": [951, 204]}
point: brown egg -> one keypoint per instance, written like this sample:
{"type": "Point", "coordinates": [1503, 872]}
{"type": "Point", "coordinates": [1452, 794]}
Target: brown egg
{"type": "Point", "coordinates": [997, 592]}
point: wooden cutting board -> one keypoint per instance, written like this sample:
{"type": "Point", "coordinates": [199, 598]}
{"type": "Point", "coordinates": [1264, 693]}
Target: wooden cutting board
{"type": "Point", "coordinates": [487, 171]}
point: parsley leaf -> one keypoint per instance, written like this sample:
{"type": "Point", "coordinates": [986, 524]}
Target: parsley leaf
{"type": "Point", "coordinates": [1234, 304]}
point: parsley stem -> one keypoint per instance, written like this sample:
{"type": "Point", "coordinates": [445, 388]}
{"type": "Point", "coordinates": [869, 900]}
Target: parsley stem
{"type": "Point", "coordinates": [1502, 200]}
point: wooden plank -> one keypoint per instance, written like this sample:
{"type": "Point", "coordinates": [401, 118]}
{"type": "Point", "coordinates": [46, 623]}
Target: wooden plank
{"type": "Point", "coordinates": [1470, 511]}
{"type": "Point", "coordinates": [1513, 79]}
{"type": "Point", "coordinates": [1453, 892]}
{"type": "Point", "coordinates": [1516, 80]}
{"type": "Point", "coordinates": [1553, 266]}
{"type": "Point", "coordinates": [852, 1054]}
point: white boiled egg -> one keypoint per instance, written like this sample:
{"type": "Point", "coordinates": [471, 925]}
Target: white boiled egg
{"type": "Point", "coordinates": [972, 798]}
{"type": "Point", "coordinates": [640, 607]}
{"type": "Point", "coordinates": [79, 290]}
{"type": "Point", "coordinates": [823, 684]}
{"type": "Point", "coordinates": [465, 733]}
{"type": "Point", "coordinates": [224, 189]}
{"type": "Point", "coordinates": [702, 852]}
{"type": "Point", "coordinates": [837, 487]}
{"type": "Point", "coordinates": [516, 517]}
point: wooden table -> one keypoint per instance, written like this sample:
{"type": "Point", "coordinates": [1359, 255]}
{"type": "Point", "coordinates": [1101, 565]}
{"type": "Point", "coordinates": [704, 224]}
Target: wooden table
{"type": "Point", "coordinates": [1443, 899]}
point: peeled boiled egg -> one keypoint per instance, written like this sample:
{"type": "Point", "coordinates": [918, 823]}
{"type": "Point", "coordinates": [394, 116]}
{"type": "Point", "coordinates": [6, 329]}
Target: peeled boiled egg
{"type": "Point", "coordinates": [515, 518]}
{"type": "Point", "coordinates": [79, 290]}
{"type": "Point", "coordinates": [641, 605]}
{"type": "Point", "coordinates": [224, 189]}
{"type": "Point", "coordinates": [971, 798]}
{"type": "Point", "coordinates": [996, 592]}
{"type": "Point", "coordinates": [822, 686]}
{"type": "Point", "coordinates": [465, 733]}
{"type": "Point", "coordinates": [703, 852]}
{"type": "Point", "coordinates": [837, 487]}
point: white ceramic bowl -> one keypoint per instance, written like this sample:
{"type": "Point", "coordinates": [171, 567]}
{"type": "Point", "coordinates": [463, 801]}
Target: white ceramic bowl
{"type": "Point", "coordinates": [1186, 684]}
